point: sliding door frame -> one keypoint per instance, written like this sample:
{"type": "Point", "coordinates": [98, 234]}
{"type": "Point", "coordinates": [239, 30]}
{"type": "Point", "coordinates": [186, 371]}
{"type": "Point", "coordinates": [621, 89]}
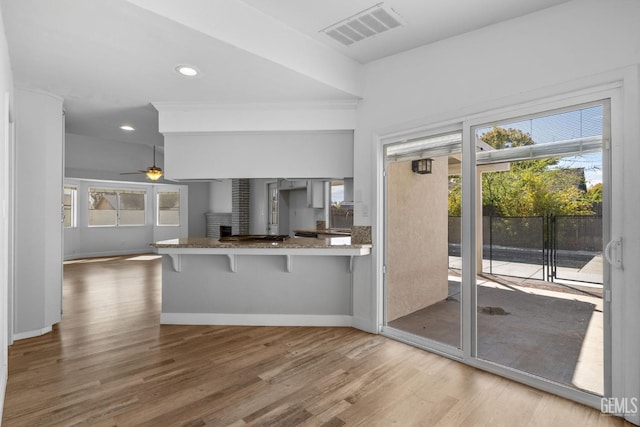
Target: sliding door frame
{"type": "Point", "coordinates": [610, 98]}
{"type": "Point", "coordinates": [408, 338]}
{"type": "Point", "coordinates": [614, 362]}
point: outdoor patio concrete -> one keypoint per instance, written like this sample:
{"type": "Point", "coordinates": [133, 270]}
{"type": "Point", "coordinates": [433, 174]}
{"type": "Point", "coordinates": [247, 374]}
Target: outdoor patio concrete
{"type": "Point", "coordinates": [591, 272]}
{"type": "Point", "coordinates": [557, 335]}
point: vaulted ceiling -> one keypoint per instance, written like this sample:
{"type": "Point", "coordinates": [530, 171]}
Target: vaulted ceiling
{"type": "Point", "coordinates": [110, 59]}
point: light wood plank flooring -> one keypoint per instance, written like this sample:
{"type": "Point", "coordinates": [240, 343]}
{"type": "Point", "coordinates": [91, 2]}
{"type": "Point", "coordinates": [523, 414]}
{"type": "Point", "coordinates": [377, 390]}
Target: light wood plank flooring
{"type": "Point", "coordinates": [109, 362]}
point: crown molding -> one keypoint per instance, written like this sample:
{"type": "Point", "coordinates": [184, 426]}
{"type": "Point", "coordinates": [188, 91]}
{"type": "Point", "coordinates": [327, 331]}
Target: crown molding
{"type": "Point", "coordinates": [347, 104]}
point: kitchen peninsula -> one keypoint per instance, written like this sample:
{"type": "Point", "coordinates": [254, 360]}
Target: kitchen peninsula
{"type": "Point", "coordinates": [258, 281]}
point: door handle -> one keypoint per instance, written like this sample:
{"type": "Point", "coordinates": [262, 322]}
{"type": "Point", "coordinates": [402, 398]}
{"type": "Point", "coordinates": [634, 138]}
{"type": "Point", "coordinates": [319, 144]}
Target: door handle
{"type": "Point", "coordinates": [616, 246]}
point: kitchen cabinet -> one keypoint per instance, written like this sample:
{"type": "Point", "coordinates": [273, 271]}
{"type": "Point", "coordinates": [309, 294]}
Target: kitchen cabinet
{"type": "Point", "coordinates": [316, 193]}
{"type": "Point", "coordinates": [287, 184]}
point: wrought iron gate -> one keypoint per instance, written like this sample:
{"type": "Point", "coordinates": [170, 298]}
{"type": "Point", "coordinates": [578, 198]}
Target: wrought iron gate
{"type": "Point", "coordinates": [549, 247]}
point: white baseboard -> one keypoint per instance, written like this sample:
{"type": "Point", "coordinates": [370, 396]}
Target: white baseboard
{"type": "Point", "coordinates": [30, 334]}
{"type": "Point", "coordinates": [3, 389]}
{"type": "Point", "coordinates": [364, 324]}
{"type": "Point", "coordinates": [254, 319]}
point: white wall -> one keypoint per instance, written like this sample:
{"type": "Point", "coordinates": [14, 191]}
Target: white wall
{"type": "Point", "coordinates": [220, 196]}
{"type": "Point", "coordinates": [348, 190]}
{"type": "Point", "coordinates": [97, 158]}
{"type": "Point", "coordinates": [198, 206]}
{"type": "Point", "coordinates": [561, 49]}
{"type": "Point", "coordinates": [6, 164]}
{"type": "Point", "coordinates": [37, 225]}
{"type": "Point", "coordinates": [259, 155]}
{"type": "Point", "coordinates": [301, 217]}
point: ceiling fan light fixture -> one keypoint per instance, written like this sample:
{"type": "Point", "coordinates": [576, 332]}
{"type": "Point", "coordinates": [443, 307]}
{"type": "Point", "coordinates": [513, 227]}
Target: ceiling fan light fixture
{"type": "Point", "coordinates": [128, 128]}
{"type": "Point", "coordinates": [187, 70]}
{"type": "Point", "coordinates": [154, 173]}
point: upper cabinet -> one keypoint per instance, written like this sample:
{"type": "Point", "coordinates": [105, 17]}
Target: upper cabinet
{"type": "Point", "coordinates": [292, 184]}
{"type": "Point", "coordinates": [316, 192]}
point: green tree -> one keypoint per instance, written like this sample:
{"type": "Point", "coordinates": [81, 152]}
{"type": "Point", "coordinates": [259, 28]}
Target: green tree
{"type": "Point", "coordinates": [500, 138]}
{"type": "Point", "coordinates": [455, 195]}
{"type": "Point", "coordinates": [594, 193]}
{"type": "Point", "coordinates": [529, 187]}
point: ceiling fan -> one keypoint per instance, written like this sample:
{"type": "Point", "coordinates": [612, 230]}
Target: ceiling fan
{"type": "Point", "coordinates": [154, 173]}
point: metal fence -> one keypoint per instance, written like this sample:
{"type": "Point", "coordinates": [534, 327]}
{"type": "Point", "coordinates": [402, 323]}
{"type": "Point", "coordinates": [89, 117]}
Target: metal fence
{"type": "Point", "coordinates": [543, 247]}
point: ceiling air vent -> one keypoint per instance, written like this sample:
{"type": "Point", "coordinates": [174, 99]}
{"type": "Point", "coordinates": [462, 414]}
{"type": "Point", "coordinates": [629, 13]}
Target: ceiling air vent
{"type": "Point", "coordinates": [374, 20]}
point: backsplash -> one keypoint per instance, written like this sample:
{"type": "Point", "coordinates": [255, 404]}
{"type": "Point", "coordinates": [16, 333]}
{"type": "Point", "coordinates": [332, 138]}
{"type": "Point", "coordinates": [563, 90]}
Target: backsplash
{"type": "Point", "coordinates": [361, 234]}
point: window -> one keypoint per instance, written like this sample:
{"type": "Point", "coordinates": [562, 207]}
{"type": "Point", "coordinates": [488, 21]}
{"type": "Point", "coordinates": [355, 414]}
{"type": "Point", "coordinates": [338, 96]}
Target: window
{"type": "Point", "coordinates": [113, 207]}
{"type": "Point", "coordinates": [341, 209]}
{"type": "Point", "coordinates": [69, 206]}
{"type": "Point", "coordinates": [169, 208]}
{"type": "Point", "coordinates": [337, 191]}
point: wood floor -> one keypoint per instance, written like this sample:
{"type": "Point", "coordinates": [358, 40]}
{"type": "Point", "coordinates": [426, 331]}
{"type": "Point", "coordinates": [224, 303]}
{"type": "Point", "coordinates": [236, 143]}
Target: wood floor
{"type": "Point", "coordinates": [109, 362]}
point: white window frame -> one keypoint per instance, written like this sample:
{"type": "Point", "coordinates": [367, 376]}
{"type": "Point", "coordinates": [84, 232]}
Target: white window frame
{"type": "Point", "coordinates": [118, 192]}
{"type": "Point", "coordinates": [158, 193]}
{"type": "Point", "coordinates": [74, 206]}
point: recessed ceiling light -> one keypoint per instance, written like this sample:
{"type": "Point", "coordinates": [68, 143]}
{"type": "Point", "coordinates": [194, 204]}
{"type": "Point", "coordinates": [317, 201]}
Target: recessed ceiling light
{"type": "Point", "coordinates": [127, 128]}
{"type": "Point", "coordinates": [187, 70]}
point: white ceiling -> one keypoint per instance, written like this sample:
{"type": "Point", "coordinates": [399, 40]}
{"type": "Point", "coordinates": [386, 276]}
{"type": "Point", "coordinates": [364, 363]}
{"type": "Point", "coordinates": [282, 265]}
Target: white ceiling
{"type": "Point", "coordinates": [110, 59]}
{"type": "Point", "coordinates": [427, 21]}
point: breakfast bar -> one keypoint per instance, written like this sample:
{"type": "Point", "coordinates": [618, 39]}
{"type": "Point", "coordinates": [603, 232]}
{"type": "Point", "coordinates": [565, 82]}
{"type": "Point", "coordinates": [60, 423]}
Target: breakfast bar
{"type": "Point", "coordinates": [258, 280]}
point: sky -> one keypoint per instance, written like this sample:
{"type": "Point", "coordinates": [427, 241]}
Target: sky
{"type": "Point", "coordinates": [337, 193]}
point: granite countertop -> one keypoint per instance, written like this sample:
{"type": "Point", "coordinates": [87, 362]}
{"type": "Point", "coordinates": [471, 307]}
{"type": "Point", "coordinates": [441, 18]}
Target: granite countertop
{"type": "Point", "coordinates": [325, 231]}
{"type": "Point", "coordinates": [291, 243]}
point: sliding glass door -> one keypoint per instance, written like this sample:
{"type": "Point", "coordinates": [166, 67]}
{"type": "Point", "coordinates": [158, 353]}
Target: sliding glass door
{"type": "Point", "coordinates": [522, 291]}
{"type": "Point", "coordinates": [539, 289]}
{"type": "Point", "coordinates": [423, 265]}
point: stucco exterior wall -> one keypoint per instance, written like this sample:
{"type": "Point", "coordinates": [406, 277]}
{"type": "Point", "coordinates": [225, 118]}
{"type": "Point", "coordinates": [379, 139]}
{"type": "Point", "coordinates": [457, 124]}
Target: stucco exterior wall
{"type": "Point", "coordinates": [417, 251]}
